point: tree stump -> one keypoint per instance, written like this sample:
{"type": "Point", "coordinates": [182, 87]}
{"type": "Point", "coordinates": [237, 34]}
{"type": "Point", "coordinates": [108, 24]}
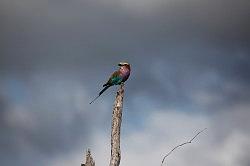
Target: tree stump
{"type": "Point", "coordinates": [89, 160]}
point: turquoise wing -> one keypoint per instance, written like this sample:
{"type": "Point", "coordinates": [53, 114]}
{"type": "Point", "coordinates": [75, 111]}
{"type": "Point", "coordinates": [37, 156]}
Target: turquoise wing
{"type": "Point", "coordinates": [115, 79]}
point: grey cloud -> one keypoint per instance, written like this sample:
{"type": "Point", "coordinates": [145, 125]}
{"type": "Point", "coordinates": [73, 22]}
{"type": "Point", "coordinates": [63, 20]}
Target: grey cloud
{"type": "Point", "coordinates": [84, 26]}
{"type": "Point", "coordinates": [47, 124]}
{"type": "Point", "coordinates": [184, 54]}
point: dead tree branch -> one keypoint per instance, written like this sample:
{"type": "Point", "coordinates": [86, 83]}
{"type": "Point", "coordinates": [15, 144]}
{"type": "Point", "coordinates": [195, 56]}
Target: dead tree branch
{"type": "Point", "coordinates": [89, 160]}
{"type": "Point", "coordinates": [116, 128]}
{"type": "Point", "coordinates": [115, 134]}
{"type": "Point", "coordinates": [188, 142]}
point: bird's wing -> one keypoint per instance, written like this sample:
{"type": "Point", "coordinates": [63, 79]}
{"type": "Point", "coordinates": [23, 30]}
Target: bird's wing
{"type": "Point", "coordinates": [109, 82]}
{"type": "Point", "coordinates": [115, 74]}
{"type": "Point", "coordinates": [113, 79]}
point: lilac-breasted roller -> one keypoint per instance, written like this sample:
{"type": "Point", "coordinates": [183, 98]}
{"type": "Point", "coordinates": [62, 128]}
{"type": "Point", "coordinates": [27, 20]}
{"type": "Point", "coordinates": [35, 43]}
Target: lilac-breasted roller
{"type": "Point", "coordinates": [117, 78]}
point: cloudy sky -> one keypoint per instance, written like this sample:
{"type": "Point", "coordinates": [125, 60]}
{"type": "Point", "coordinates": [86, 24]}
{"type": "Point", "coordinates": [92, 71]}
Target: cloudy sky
{"type": "Point", "coordinates": [190, 70]}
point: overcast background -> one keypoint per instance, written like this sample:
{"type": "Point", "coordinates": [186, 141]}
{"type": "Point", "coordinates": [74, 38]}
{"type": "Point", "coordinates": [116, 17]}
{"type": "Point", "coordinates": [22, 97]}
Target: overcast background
{"type": "Point", "coordinates": [190, 70]}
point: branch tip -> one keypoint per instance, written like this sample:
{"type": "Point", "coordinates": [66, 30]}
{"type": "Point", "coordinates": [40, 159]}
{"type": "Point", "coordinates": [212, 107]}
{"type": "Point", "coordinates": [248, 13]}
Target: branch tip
{"type": "Point", "coordinates": [188, 142]}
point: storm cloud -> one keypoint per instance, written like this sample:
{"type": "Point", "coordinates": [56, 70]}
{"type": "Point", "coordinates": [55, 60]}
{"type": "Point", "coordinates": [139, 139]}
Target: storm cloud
{"type": "Point", "coordinates": [190, 69]}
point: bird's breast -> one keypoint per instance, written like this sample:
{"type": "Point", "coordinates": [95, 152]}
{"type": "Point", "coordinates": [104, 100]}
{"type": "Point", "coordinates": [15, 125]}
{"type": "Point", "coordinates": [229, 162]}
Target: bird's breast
{"type": "Point", "coordinates": [124, 73]}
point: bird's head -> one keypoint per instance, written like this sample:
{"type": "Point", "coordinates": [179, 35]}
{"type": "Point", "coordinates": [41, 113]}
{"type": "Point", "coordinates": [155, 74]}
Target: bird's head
{"type": "Point", "coordinates": [123, 64]}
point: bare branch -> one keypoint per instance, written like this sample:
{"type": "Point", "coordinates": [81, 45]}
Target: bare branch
{"type": "Point", "coordinates": [116, 128]}
{"type": "Point", "coordinates": [188, 142]}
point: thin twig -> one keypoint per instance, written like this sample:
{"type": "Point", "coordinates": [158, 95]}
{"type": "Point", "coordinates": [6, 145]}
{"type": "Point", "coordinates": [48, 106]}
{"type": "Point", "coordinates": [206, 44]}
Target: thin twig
{"type": "Point", "coordinates": [188, 142]}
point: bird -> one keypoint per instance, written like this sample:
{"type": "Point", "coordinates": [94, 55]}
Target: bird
{"type": "Point", "coordinates": [117, 78]}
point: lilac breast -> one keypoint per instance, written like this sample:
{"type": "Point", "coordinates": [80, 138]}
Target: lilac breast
{"type": "Point", "coordinates": [125, 72]}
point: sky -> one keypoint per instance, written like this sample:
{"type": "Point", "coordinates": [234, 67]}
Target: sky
{"type": "Point", "coordinates": [190, 62]}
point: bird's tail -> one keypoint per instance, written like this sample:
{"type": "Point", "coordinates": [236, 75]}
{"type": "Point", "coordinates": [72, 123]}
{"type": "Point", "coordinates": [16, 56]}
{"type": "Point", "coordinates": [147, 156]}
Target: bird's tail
{"type": "Point", "coordinates": [105, 84]}
{"type": "Point", "coordinates": [104, 89]}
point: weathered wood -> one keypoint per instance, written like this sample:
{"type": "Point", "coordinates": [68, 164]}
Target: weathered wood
{"type": "Point", "coordinates": [116, 128]}
{"type": "Point", "coordinates": [89, 160]}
